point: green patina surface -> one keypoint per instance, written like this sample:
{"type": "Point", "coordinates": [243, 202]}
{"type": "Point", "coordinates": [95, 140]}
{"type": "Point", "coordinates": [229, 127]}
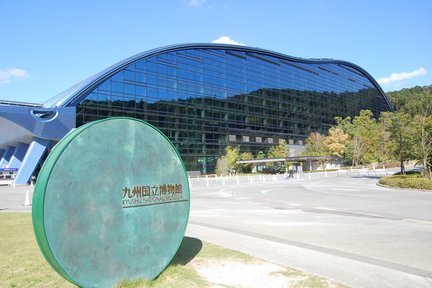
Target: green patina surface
{"type": "Point", "coordinates": [111, 203]}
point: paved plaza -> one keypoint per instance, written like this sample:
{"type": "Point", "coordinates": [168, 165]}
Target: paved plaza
{"type": "Point", "coordinates": [13, 199]}
{"type": "Point", "coordinates": [341, 226]}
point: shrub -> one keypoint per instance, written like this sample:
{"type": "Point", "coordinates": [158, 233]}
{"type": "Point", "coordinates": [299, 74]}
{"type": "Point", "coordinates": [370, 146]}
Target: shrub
{"type": "Point", "coordinates": [407, 181]}
{"type": "Point", "coordinates": [222, 166]}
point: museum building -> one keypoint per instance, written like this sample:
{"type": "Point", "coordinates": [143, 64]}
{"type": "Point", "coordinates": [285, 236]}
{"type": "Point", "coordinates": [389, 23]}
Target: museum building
{"type": "Point", "coordinates": [203, 97]}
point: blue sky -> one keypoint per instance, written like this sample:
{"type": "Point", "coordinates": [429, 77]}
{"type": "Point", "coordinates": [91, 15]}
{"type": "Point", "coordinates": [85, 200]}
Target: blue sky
{"type": "Point", "coordinates": [46, 46]}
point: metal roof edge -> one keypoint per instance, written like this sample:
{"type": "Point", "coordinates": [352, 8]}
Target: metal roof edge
{"type": "Point", "coordinates": [91, 82]}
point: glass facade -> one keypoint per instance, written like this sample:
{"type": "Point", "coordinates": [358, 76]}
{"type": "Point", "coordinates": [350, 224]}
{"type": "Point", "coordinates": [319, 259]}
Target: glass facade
{"type": "Point", "coordinates": [205, 98]}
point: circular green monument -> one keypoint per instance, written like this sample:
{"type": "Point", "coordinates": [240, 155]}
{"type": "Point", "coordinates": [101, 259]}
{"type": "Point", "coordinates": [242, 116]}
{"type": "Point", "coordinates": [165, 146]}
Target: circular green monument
{"type": "Point", "coordinates": [111, 203]}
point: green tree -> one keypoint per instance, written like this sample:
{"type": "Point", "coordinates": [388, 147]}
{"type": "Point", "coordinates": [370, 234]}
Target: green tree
{"type": "Point", "coordinates": [222, 167]}
{"type": "Point", "coordinates": [365, 139]}
{"type": "Point", "coordinates": [260, 155]}
{"type": "Point", "coordinates": [246, 168]}
{"type": "Point", "coordinates": [423, 138]}
{"type": "Point", "coordinates": [402, 134]}
{"type": "Point", "coordinates": [416, 102]}
{"type": "Point", "coordinates": [232, 155]}
{"type": "Point", "coordinates": [335, 143]}
{"type": "Point", "coordinates": [356, 149]}
{"type": "Point", "coordinates": [384, 147]}
{"type": "Point", "coordinates": [410, 99]}
{"type": "Point", "coordinates": [228, 163]}
{"type": "Point", "coordinates": [314, 145]}
{"type": "Point", "coordinates": [280, 151]}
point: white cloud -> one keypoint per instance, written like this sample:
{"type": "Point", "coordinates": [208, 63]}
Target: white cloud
{"type": "Point", "coordinates": [195, 3]}
{"type": "Point", "coordinates": [397, 77]}
{"type": "Point", "coordinates": [227, 40]}
{"type": "Point", "coordinates": [7, 75]}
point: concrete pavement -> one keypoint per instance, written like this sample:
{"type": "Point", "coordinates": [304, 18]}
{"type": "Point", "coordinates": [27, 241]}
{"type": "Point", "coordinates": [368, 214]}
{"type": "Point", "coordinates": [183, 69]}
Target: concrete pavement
{"type": "Point", "coordinates": [345, 228]}
{"type": "Point", "coordinates": [12, 199]}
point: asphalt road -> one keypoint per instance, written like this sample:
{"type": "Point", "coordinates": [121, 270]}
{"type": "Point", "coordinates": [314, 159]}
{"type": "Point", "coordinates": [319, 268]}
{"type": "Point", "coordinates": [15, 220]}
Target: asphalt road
{"type": "Point", "coordinates": [345, 228]}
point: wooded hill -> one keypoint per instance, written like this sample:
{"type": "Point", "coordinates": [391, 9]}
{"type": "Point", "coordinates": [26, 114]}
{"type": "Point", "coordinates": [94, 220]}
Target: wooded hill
{"type": "Point", "coordinates": [402, 97]}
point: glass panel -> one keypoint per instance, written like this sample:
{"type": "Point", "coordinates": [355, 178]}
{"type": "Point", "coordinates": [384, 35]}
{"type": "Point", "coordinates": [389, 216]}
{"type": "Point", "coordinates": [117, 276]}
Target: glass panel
{"type": "Point", "coordinates": [117, 87]}
{"type": "Point", "coordinates": [129, 75]}
{"type": "Point", "coordinates": [118, 77]}
{"type": "Point", "coordinates": [129, 89]}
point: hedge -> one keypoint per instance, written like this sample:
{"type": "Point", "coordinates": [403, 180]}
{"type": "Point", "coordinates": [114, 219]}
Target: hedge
{"type": "Point", "coordinates": [407, 181]}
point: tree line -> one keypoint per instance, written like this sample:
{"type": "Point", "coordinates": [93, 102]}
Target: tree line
{"type": "Point", "coordinates": [228, 163]}
{"type": "Point", "coordinates": [403, 135]}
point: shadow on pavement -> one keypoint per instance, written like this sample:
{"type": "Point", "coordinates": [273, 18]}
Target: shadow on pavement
{"type": "Point", "coordinates": [369, 177]}
{"type": "Point", "coordinates": [187, 251]}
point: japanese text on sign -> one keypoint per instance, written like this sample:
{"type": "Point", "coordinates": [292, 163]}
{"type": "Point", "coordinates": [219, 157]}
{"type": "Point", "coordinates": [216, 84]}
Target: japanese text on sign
{"type": "Point", "coordinates": [151, 195]}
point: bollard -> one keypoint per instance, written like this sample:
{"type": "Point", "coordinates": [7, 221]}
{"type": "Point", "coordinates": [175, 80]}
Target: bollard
{"type": "Point", "coordinates": [190, 182]}
{"type": "Point", "coordinates": [325, 174]}
{"type": "Point", "coordinates": [207, 181]}
{"type": "Point", "coordinates": [27, 199]}
{"type": "Point", "coordinates": [237, 180]}
{"type": "Point", "coordinates": [309, 175]}
{"type": "Point", "coordinates": [274, 178]}
{"type": "Point", "coordinates": [263, 179]}
{"type": "Point", "coordinates": [251, 180]}
{"type": "Point", "coordinates": [223, 180]}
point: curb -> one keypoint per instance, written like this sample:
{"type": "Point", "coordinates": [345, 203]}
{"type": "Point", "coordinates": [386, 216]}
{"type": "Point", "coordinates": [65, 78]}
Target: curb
{"type": "Point", "coordinates": [400, 188]}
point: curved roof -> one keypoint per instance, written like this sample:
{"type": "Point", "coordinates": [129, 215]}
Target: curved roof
{"type": "Point", "coordinates": [82, 88]}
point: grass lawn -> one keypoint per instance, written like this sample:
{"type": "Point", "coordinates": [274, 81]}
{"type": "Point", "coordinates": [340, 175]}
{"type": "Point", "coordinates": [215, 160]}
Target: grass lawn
{"type": "Point", "coordinates": [22, 263]}
{"type": "Point", "coordinates": [196, 264]}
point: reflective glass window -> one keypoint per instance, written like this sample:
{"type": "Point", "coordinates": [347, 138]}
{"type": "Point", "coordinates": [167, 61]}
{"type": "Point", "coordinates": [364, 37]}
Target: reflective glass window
{"type": "Point", "coordinates": [203, 99]}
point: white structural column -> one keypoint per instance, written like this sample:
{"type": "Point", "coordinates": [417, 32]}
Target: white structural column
{"type": "Point", "coordinates": [7, 156]}
{"type": "Point", "coordinates": [18, 155]}
{"type": "Point", "coordinates": [33, 156]}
